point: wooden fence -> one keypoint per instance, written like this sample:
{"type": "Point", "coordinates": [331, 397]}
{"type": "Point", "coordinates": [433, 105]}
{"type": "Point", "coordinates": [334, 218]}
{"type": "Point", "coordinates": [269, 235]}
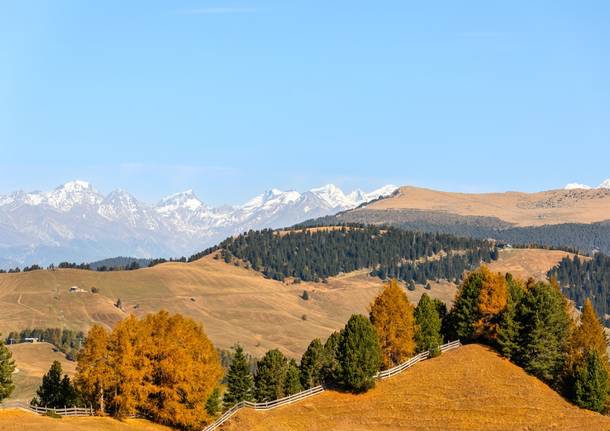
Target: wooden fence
{"type": "Point", "coordinates": [319, 389]}
{"type": "Point", "coordinates": [66, 411]}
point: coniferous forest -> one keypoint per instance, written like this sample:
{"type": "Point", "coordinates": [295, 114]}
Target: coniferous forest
{"type": "Point", "coordinates": [314, 255]}
{"type": "Point", "coordinates": [581, 278]}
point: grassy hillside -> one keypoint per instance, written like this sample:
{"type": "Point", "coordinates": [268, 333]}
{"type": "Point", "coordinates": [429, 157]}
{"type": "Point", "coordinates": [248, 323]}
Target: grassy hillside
{"type": "Point", "coordinates": [520, 209]}
{"type": "Point", "coordinates": [17, 420]}
{"type": "Point", "coordinates": [471, 388]}
{"type": "Point", "coordinates": [234, 303]}
{"type": "Point", "coordinates": [32, 362]}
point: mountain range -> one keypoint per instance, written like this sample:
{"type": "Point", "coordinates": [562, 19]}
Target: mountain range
{"type": "Point", "coordinates": [75, 222]}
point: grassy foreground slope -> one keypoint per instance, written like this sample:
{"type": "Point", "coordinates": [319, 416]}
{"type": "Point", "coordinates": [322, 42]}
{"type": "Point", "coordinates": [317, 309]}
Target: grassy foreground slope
{"type": "Point", "coordinates": [17, 420]}
{"type": "Point", "coordinates": [32, 361]}
{"type": "Point", "coordinates": [471, 388]}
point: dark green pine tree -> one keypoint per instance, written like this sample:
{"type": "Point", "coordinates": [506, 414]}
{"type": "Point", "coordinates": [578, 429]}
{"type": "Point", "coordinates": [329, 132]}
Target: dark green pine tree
{"type": "Point", "coordinates": [7, 366]}
{"type": "Point", "coordinates": [292, 384]}
{"type": "Point", "coordinates": [331, 371]}
{"type": "Point", "coordinates": [271, 376]}
{"type": "Point", "coordinates": [428, 334]}
{"type": "Point", "coordinates": [591, 383]}
{"type": "Point", "coordinates": [51, 393]}
{"type": "Point", "coordinates": [240, 383]}
{"type": "Point", "coordinates": [543, 328]}
{"type": "Point", "coordinates": [465, 311]}
{"type": "Point", "coordinates": [508, 330]}
{"type": "Point", "coordinates": [312, 365]}
{"type": "Point", "coordinates": [212, 405]}
{"type": "Point", "coordinates": [359, 354]}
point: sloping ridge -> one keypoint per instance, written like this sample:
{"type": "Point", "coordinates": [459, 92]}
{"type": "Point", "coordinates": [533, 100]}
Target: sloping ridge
{"type": "Point", "coordinates": [471, 388]}
{"type": "Point", "coordinates": [518, 208]}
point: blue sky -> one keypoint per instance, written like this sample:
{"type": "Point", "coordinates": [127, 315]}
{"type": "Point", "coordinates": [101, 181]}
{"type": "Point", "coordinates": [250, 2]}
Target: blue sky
{"type": "Point", "coordinates": [232, 98]}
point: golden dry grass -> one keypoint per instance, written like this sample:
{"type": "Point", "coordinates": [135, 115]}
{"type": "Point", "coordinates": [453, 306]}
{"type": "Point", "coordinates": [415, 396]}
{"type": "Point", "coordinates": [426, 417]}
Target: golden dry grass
{"type": "Point", "coordinates": [470, 388]}
{"type": "Point", "coordinates": [526, 263]}
{"type": "Point", "coordinates": [523, 209]}
{"type": "Point", "coordinates": [234, 304]}
{"type": "Point", "coordinates": [32, 362]}
{"type": "Point", "coordinates": [18, 420]}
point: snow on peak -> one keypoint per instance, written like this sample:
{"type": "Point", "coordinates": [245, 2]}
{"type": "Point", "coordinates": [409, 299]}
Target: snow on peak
{"type": "Point", "coordinates": [271, 198]}
{"type": "Point", "coordinates": [605, 184]}
{"type": "Point", "coordinates": [72, 193]}
{"type": "Point", "coordinates": [333, 196]}
{"type": "Point", "coordinates": [186, 200]}
{"type": "Point", "coordinates": [384, 191]}
{"type": "Point", "coordinates": [576, 186]}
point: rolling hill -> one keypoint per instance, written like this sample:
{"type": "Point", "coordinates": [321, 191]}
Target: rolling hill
{"type": "Point", "coordinates": [575, 218]}
{"type": "Point", "coordinates": [235, 304]}
{"type": "Point", "coordinates": [32, 361]}
{"type": "Point", "coordinates": [471, 388]}
{"type": "Point", "coordinates": [515, 208]}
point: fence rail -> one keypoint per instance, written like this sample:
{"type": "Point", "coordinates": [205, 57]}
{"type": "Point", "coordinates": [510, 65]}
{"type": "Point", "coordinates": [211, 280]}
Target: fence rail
{"type": "Point", "coordinates": [319, 389]}
{"type": "Point", "coordinates": [65, 411]}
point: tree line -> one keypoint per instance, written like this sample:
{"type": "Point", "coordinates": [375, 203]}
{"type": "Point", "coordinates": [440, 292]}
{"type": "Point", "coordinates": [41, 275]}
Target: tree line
{"type": "Point", "coordinates": [582, 279]}
{"type": "Point", "coordinates": [392, 253]}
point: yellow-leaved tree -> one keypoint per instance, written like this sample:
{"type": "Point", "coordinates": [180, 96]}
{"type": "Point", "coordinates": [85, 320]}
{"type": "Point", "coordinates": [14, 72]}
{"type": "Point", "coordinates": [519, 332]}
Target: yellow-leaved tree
{"type": "Point", "coordinates": [95, 375]}
{"type": "Point", "coordinates": [392, 316]}
{"type": "Point", "coordinates": [588, 336]}
{"type": "Point", "coordinates": [493, 298]}
{"type": "Point", "coordinates": [185, 370]}
{"type": "Point", "coordinates": [162, 366]}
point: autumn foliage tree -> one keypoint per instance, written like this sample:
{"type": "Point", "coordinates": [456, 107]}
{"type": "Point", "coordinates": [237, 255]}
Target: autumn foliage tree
{"type": "Point", "coordinates": [392, 316]}
{"type": "Point", "coordinates": [162, 366]}
{"type": "Point", "coordinates": [587, 368]}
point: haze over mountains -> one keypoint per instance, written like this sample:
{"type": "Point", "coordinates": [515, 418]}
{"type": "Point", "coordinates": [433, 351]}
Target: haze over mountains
{"type": "Point", "coordinates": [75, 222]}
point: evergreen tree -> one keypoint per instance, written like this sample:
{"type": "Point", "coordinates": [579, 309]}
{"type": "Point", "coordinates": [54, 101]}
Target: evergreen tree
{"type": "Point", "coordinates": [271, 376]}
{"type": "Point", "coordinates": [212, 405]}
{"type": "Point", "coordinates": [392, 317]}
{"type": "Point", "coordinates": [331, 371]}
{"type": "Point", "coordinates": [465, 312]}
{"type": "Point", "coordinates": [52, 391]}
{"type": "Point", "coordinates": [240, 383]}
{"type": "Point", "coordinates": [508, 327]}
{"type": "Point", "coordinates": [359, 354]}
{"type": "Point", "coordinates": [428, 334]}
{"type": "Point", "coordinates": [591, 383]}
{"type": "Point", "coordinates": [69, 393]}
{"type": "Point", "coordinates": [312, 365]}
{"type": "Point", "coordinates": [543, 329]}
{"type": "Point", "coordinates": [7, 367]}
{"type": "Point", "coordinates": [292, 385]}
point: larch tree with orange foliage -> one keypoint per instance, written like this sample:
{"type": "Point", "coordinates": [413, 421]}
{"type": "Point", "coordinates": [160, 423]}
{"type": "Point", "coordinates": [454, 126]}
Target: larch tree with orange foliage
{"type": "Point", "coordinates": [587, 346]}
{"type": "Point", "coordinates": [130, 366]}
{"type": "Point", "coordinates": [162, 366]}
{"type": "Point", "coordinates": [185, 369]}
{"type": "Point", "coordinates": [493, 298]}
{"type": "Point", "coordinates": [95, 375]}
{"type": "Point", "coordinates": [392, 316]}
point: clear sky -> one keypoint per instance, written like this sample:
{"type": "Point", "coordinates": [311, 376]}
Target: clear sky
{"type": "Point", "coordinates": [234, 97]}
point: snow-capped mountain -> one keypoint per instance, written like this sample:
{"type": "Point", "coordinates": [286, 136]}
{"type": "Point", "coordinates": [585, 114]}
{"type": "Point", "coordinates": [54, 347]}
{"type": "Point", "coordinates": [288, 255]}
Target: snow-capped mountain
{"type": "Point", "coordinates": [574, 186]}
{"type": "Point", "coordinates": [75, 222]}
